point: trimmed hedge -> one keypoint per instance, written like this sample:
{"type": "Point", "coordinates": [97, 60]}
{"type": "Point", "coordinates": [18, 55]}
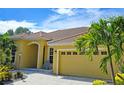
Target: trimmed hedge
{"type": "Point", "coordinates": [99, 82]}
{"type": "Point", "coordinates": [119, 79]}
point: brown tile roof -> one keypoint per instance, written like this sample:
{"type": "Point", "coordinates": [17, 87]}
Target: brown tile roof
{"type": "Point", "coordinates": [66, 36]}
{"type": "Point", "coordinates": [66, 41]}
{"type": "Point", "coordinates": [38, 35]}
{"type": "Point", "coordinates": [32, 36]}
{"type": "Point", "coordinates": [19, 36]}
{"type": "Point", "coordinates": [60, 34]}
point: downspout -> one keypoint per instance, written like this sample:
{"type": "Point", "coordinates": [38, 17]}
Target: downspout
{"type": "Point", "coordinates": [43, 53]}
{"type": "Point", "coordinates": [19, 60]}
{"type": "Point", "coordinates": [57, 63]}
{"type": "Point", "coordinates": [38, 57]}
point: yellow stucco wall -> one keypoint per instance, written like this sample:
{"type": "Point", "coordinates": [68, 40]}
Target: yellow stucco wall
{"type": "Point", "coordinates": [55, 53]}
{"type": "Point", "coordinates": [26, 53]}
{"type": "Point", "coordinates": [31, 59]}
{"type": "Point", "coordinates": [78, 65]}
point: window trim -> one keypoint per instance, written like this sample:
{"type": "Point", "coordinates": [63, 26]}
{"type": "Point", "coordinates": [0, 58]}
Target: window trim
{"type": "Point", "coordinates": [63, 53]}
{"type": "Point", "coordinates": [103, 52]}
{"type": "Point", "coordinates": [51, 52]}
{"type": "Point", "coordinates": [96, 53]}
{"type": "Point", "coordinates": [69, 53]}
{"type": "Point", "coordinates": [75, 53]}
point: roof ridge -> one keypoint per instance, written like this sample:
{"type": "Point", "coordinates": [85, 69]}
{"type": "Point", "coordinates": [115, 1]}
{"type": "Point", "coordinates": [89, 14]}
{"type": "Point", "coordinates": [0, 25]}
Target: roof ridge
{"type": "Point", "coordinates": [66, 29]}
{"type": "Point", "coordinates": [55, 35]}
{"type": "Point", "coordinates": [68, 37]}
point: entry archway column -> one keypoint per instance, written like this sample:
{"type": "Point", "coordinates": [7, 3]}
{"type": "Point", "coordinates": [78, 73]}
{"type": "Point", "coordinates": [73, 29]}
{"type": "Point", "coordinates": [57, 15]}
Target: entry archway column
{"type": "Point", "coordinates": [40, 56]}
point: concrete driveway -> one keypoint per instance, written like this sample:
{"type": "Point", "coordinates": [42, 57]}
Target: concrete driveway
{"type": "Point", "coordinates": [45, 77]}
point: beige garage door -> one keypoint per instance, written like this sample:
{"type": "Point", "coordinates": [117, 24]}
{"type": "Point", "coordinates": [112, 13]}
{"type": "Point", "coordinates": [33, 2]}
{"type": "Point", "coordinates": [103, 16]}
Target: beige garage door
{"type": "Point", "coordinates": [73, 63]}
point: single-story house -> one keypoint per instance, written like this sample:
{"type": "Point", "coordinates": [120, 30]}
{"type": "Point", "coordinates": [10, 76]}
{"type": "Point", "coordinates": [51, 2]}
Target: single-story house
{"type": "Point", "coordinates": [57, 47]}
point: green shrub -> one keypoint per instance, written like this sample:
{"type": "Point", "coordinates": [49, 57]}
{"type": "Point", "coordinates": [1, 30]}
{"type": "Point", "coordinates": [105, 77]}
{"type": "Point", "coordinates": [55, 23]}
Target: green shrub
{"type": "Point", "coordinates": [5, 76]}
{"type": "Point", "coordinates": [18, 75]}
{"type": "Point", "coordinates": [6, 68]}
{"type": "Point", "coordinates": [1, 76]}
{"type": "Point", "coordinates": [119, 79]}
{"type": "Point", "coordinates": [8, 75]}
{"type": "Point", "coordinates": [99, 82]}
{"type": "Point", "coordinates": [122, 68]}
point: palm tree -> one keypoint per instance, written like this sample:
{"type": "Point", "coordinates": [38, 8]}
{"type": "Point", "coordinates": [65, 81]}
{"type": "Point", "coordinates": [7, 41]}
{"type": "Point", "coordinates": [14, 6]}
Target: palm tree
{"type": "Point", "coordinates": [108, 33]}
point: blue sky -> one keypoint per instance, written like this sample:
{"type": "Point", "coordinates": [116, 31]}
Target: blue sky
{"type": "Point", "coordinates": [51, 19]}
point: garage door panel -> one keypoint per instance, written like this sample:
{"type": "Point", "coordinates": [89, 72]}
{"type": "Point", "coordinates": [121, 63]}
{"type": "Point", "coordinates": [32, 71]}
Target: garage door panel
{"type": "Point", "coordinates": [80, 65]}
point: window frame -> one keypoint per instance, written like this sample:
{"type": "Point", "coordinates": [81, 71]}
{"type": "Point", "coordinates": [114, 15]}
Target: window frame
{"type": "Point", "coordinates": [103, 52]}
{"type": "Point", "coordinates": [69, 53]}
{"type": "Point", "coordinates": [63, 53]}
{"type": "Point", "coordinates": [51, 52]}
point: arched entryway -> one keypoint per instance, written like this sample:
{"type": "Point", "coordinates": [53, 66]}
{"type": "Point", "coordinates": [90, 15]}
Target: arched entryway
{"type": "Point", "coordinates": [33, 56]}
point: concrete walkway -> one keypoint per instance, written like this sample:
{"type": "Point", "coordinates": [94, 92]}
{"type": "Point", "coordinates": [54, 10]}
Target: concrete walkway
{"type": "Point", "coordinates": [45, 77]}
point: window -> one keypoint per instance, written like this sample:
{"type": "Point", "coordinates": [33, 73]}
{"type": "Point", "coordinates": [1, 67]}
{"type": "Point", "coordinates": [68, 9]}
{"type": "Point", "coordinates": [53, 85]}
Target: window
{"type": "Point", "coordinates": [13, 59]}
{"type": "Point", "coordinates": [74, 53]}
{"type": "Point", "coordinates": [96, 53]}
{"type": "Point", "coordinates": [13, 55]}
{"type": "Point", "coordinates": [51, 59]}
{"type": "Point", "coordinates": [81, 53]}
{"type": "Point", "coordinates": [51, 51]}
{"type": "Point", "coordinates": [51, 55]}
{"type": "Point", "coordinates": [103, 52]}
{"type": "Point", "coordinates": [68, 53]}
{"type": "Point", "coordinates": [62, 53]}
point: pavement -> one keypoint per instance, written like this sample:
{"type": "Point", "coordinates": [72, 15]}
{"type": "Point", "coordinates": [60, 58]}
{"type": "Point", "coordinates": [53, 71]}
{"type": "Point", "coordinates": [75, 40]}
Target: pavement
{"type": "Point", "coordinates": [46, 77]}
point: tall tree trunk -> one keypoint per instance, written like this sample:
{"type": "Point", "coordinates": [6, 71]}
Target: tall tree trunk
{"type": "Point", "coordinates": [111, 66]}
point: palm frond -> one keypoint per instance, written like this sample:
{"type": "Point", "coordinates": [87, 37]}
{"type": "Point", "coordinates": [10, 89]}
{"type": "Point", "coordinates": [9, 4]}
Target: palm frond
{"type": "Point", "coordinates": [103, 64]}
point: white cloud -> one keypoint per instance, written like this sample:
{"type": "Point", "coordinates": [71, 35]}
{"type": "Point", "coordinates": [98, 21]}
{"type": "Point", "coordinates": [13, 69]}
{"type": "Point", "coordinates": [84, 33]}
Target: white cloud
{"type": "Point", "coordinates": [13, 24]}
{"type": "Point", "coordinates": [61, 19]}
{"type": "Point", "coordinates": [63, 23]}
{"type": "Point", "coordinates": [65, 11]}
{"type": "Point", "coordinates": [94, 11]}
{"type": "Point", "coordinates": [81, 17]}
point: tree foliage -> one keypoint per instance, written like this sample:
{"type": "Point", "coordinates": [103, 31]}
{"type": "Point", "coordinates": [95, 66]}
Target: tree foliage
{"type": "Point", "coordinates": [108, 33]}
{"type": "Point", "coordinates": [6, 47]}
{"type": "Point", "coordinates": [10, 32]}
{"type": "Point", "coordinates": [21, 30]}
